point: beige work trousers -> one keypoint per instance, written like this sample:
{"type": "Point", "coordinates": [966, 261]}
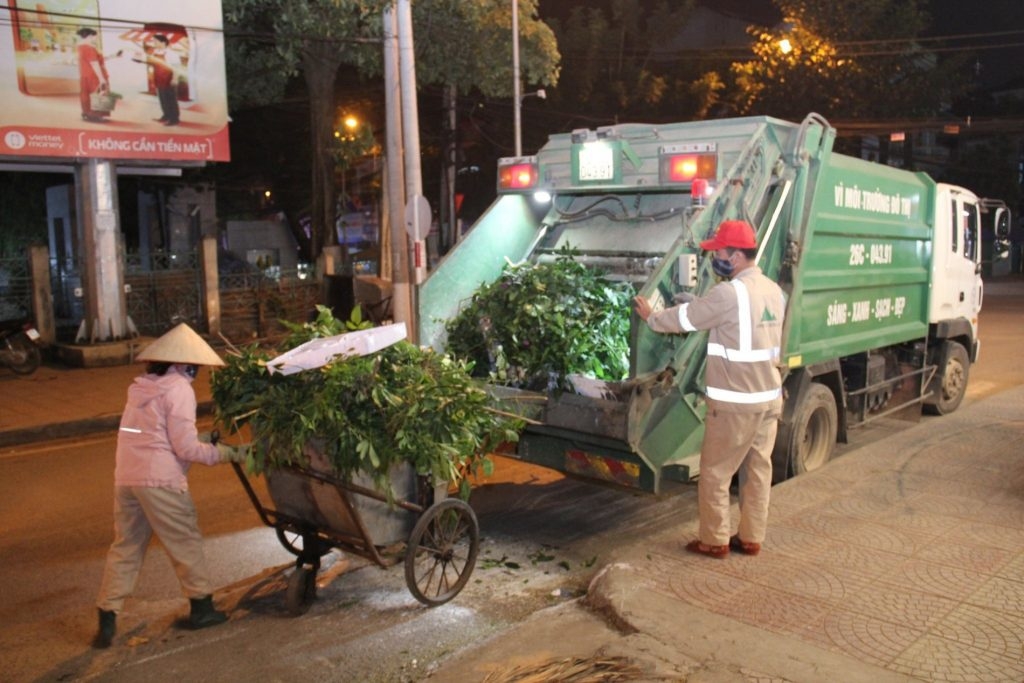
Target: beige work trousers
{"type": "Point", "coordinates": [138, 512]}
{"type": "Point", "coordinates": [736, 442]}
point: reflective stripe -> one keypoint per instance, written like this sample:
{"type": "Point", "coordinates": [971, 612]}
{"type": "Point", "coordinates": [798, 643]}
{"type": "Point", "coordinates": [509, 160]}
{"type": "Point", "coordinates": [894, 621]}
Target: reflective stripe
{"type": "Point", "coordinates": [741, 397]}
{"type": "Point", "coordinates": [684, 320]}
{"type": "Point", "coordinates": [744, 354]}
{"type": "Point", "coordinates": [737, 356]}
{"type": "Point", "coordinates": [131, 429]}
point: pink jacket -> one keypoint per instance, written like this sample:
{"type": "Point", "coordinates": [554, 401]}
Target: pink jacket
{"type": "Point", "coordinates": [158, 441]}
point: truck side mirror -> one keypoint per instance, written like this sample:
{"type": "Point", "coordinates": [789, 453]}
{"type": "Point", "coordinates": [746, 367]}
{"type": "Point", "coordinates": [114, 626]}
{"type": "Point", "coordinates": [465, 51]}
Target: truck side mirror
{"type": "Point", "coordinates": [1001, 224]}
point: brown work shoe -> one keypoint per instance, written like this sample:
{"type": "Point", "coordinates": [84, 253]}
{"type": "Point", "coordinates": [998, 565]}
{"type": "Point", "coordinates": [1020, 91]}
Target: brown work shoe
{"type": "Point", "coordinates": [718, 552]}
{"type": "Point", "coordinates": [743, 547]}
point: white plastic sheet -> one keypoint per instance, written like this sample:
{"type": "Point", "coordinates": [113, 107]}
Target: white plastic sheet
{"type": "Point", "coordinates": [317, 353]}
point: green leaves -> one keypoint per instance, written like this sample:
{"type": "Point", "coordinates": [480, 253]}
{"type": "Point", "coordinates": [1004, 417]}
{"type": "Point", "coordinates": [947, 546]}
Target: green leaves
{"type": "Point", "coordinates": [402, 404]}
{"type": "Point", "coordinates": [536, 324]}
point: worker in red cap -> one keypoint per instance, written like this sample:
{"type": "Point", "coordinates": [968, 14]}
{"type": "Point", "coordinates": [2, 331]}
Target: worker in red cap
{"type": "Point", "coordinates": [156, 444]}
{"type": "Point", "coordinates": [744, 387]}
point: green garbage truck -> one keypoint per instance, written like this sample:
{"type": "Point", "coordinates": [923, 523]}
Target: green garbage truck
{"type": "Point", "coordinates": [881, 268]}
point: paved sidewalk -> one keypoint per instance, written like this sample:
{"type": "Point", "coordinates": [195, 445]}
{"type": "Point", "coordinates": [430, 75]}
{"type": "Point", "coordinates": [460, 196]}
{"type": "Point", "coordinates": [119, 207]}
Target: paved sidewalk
{"type": "Point", "coordinates": [902, 560]}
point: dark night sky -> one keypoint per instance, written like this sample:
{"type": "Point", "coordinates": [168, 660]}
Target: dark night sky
{"type": "Point", "coordinates": [979, 19]}
{"type": "Point", "coordinates": [998, 66]}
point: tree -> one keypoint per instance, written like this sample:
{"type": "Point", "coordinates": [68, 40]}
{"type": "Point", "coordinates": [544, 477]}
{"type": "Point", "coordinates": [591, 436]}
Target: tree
{"type": "Point", "coordinates": [313, 37]}
{"type": "Point", "coordinates": [845, 60]}
{"type": "Point", "coordinates": [616, 61]}
{"type": "Point", "coordinates": [466, 45]}
{"type": "Point", "coordinates": [460, 44]}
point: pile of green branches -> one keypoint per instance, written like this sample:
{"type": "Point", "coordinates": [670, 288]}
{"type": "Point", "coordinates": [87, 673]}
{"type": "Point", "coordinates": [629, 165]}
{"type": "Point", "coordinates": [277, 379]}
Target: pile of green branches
{"type": "Point", "coordinates": [537, 324]}
{"type": "Point", "coordinates": [403, 404]}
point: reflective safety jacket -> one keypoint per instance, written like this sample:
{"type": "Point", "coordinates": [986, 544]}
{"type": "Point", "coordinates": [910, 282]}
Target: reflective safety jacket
{"type": "Point", "coordinates": [744, 319]}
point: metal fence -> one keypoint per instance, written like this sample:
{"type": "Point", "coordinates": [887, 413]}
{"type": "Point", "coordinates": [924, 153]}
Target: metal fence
{"type": "Point", "coordinates": [254, 303]}
{"type": "Point", "coordinates": [15, 289]}
{"type": "Point", "coordinates": [164, 288]}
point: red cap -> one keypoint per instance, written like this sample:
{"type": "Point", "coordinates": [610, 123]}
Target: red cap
{"type": "Point", "coordinates": [736, 234]}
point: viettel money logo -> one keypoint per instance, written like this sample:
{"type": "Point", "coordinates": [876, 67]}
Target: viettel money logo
{"type": "Point", "coordinates": [14, 139]}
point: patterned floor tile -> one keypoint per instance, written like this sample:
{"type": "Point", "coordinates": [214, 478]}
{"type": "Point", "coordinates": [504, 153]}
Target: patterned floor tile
{"type": "Point", "coordinates": [994, 535]}
{"type": "Point", "coordinates": [787, 540]}
{"type": "Point", "coordinates": [933, 658]}
{"type": "Point", "coordinates": [929, 524]}
{"type": "Point", "coordinates": [998, 631]}
{"type": "Point", "coordinates": [710, 590]}
{"type": "Point", "coordinates": [867, 562]}
{"type": "Point", "coordinates": [973, 557]}
{"type": "Point", "coordinates": [858, 506]}
{"type": "Point", "coordinates": [952, 506]}
{"type": "Point", "coordinates": [867, 638]}
{"type": "Point", "coordinates": [1011, 515]}
{"type": "Point", "coordinates": [934, 579]}
{"type": "Point", "coordinates": [999, 594]}
{"type": "Point", "coordinates": [897, 604]}
{"type": "Point", "coordinates": [887, 539]}
{"type": "Point", "coordinates": [1013, 570]}
{"type": "Point", "coordinates": [773, 610]}
{"type": "Point", "coordinates": [822, 523]}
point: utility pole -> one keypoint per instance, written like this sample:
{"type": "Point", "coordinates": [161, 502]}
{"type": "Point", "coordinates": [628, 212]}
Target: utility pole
{"type": "Point", "coordinates": [394, 177]}
{"type": "Point", "coordinates": [517, 99]}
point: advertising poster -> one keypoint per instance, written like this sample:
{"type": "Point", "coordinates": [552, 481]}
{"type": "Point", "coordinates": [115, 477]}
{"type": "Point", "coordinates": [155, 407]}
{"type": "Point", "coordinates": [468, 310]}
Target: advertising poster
{"type": "Point", "coordinates": [113, 79]}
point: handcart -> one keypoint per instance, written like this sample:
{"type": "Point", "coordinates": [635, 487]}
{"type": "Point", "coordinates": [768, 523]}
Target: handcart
{"type": "Point", "coordinates": [313, 511]}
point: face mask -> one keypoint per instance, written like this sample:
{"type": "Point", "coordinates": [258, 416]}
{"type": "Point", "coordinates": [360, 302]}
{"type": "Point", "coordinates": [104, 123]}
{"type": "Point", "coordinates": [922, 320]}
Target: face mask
{"type": "Point", "coordinates": [722, 267]}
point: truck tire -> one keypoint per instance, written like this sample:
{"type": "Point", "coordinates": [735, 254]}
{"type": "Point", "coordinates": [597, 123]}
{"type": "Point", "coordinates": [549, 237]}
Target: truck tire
{"type": "Point", "coordinates": [806, 443]}
{"type": "Point", "coordinates": [951, 382]}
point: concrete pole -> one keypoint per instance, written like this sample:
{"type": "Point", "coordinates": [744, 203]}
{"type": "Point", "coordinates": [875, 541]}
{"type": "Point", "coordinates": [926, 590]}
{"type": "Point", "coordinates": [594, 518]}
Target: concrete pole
{"type": "Point", "coordinates": [211, 284]}
{"type": "Point", "coordinates": [410, 130]}
{"type": "Point", "coordinates": [517, 95]}
{"type": "Point", "coordinates": [42, 294]}
{"type": "Point", "coordinates": [394, 180]}
{"type": "Point", "coordinates": [106, 307]}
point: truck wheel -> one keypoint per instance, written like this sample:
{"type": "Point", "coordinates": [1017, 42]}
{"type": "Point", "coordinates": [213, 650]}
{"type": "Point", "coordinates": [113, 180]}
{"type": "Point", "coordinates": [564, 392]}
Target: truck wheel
{"type": "Point", "coordinates": [806, 443]}
{"type": "Point", "coordinates": [952, 382]}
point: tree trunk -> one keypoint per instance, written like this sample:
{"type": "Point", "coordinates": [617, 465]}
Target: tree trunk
{"type": "Point", "coordinates": [320, 61]}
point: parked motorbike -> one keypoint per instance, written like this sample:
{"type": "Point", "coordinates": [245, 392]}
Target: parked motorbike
{"type": "Point", "coordinates": [19, 348]}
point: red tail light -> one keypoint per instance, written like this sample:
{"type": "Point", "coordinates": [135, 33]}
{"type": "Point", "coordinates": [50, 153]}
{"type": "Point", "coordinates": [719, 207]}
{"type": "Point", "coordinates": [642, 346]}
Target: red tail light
{"type": "Point", "coordinates": [685, 168]}
{"type": "Point", "coordinates": [517, 174]}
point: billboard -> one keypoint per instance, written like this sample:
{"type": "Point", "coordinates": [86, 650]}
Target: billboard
{"type": "Point", "coordinates": [113, 79]}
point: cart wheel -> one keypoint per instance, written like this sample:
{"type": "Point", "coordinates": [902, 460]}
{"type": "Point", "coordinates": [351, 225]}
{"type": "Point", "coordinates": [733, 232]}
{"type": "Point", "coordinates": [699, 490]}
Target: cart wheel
{"type": "Point", "coordinates": [294, 542]}
{"type": "Point", "coordinates": [442, 552]}
{"type": "Point", "coordinates": [301, 590]}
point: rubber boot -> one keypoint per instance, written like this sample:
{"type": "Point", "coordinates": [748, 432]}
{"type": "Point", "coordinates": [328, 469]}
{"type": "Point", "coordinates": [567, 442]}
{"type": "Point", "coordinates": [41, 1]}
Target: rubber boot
{"type": "Point", "coordinates": [108, 625]}
{"type": "Point", "coordinates": [203, 614]}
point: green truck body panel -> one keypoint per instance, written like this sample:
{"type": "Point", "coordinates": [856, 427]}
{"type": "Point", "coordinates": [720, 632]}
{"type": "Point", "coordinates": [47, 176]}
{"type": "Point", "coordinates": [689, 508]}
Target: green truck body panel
{"type": "Point", "coordinates": [849, 241]}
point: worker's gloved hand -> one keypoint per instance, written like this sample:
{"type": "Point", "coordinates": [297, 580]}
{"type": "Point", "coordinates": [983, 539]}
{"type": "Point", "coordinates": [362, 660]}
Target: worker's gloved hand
{"type": "Point", "coordinates": [683, 297]}
{"type": "Point", "coordinates": [230, 453]}
{"type": "Point", "coordinates": [210, 437]}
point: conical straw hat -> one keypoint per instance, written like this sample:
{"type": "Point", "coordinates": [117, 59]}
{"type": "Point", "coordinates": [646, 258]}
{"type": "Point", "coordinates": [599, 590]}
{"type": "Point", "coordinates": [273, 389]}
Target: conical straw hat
{"type": "Point", "coordinates": [181, 345]}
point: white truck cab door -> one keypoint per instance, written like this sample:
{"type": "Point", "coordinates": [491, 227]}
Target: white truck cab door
{"type": "Point", "coordinates": [957, 289]}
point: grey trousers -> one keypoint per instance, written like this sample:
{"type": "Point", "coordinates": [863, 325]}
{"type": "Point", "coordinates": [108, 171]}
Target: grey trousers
{"type": "Point", "coordinates": [138, 512]}
{"type": "Point", "coordinates": [736, 442]}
